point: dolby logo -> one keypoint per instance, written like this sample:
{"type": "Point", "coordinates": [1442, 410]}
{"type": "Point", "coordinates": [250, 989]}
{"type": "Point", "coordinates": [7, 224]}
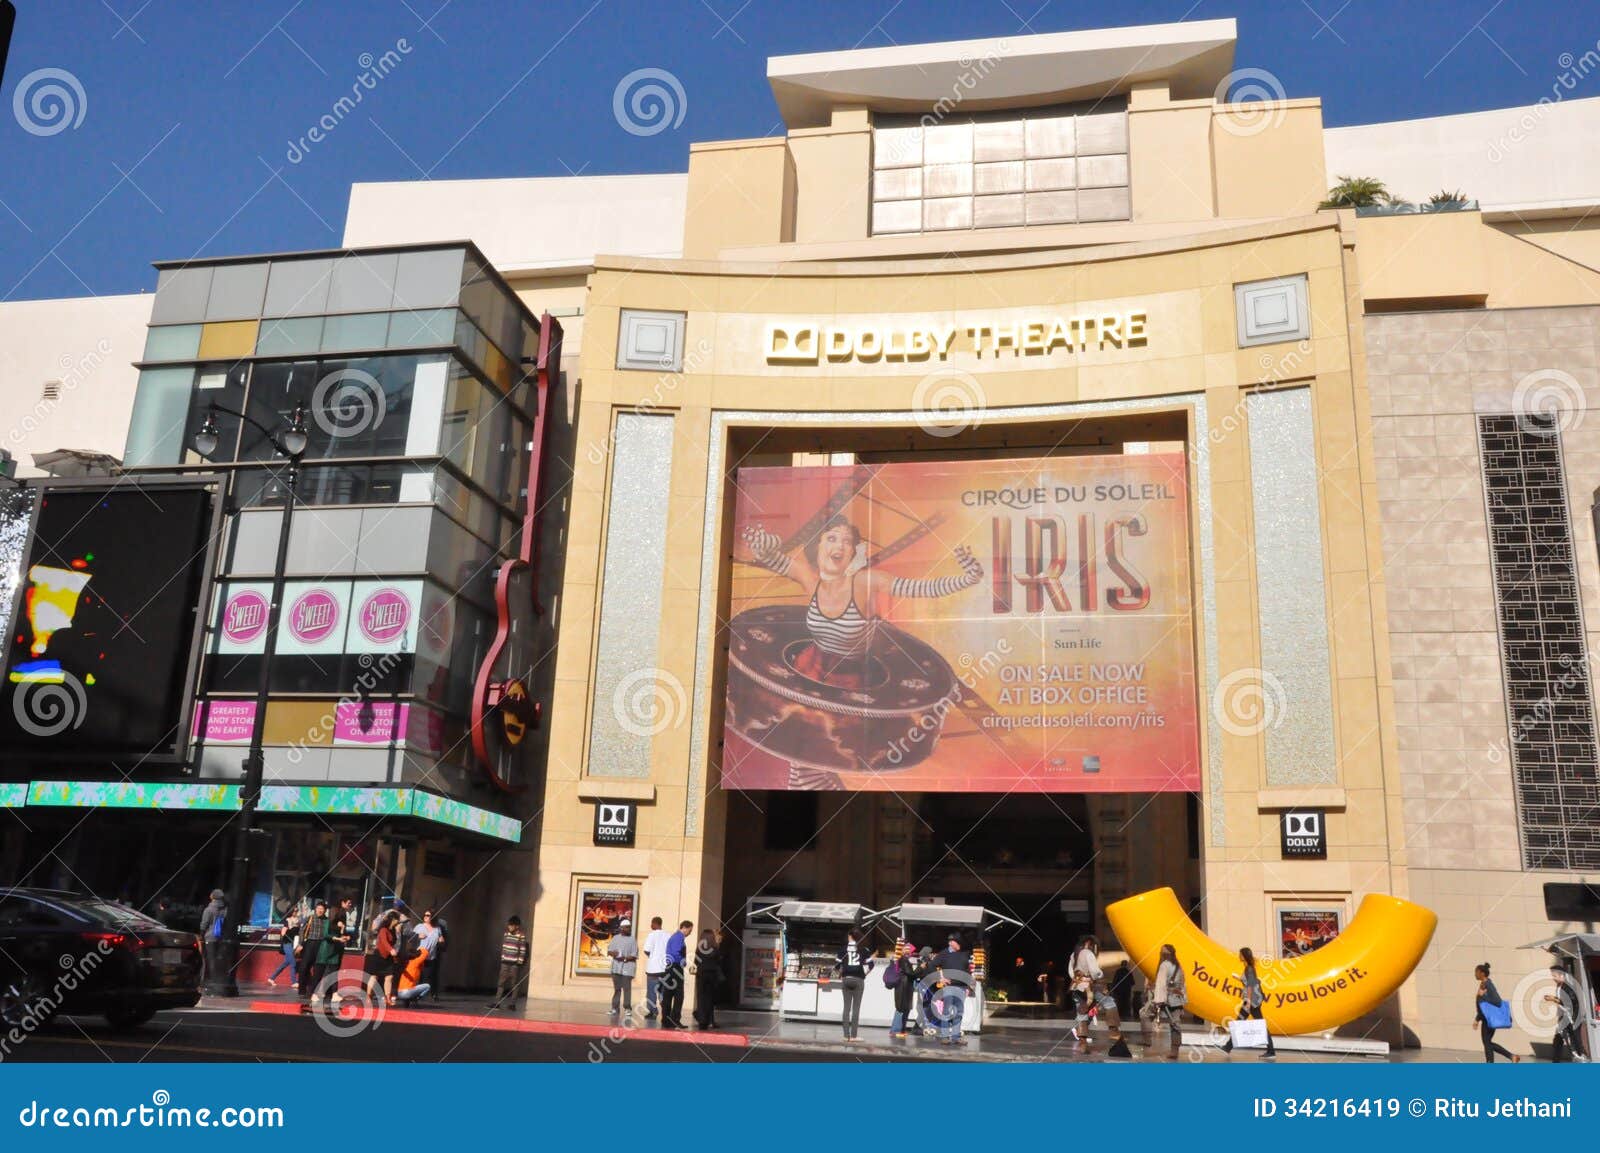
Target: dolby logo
{"type": "Point", "coordinates": [615, 822]}
{"type": "Point", "coordinates": [1304, 833]}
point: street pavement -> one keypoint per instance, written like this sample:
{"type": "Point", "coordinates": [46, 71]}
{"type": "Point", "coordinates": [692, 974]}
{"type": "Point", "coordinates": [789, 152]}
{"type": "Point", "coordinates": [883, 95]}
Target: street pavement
{"type": "Point", "coordinates": [269, 1026]}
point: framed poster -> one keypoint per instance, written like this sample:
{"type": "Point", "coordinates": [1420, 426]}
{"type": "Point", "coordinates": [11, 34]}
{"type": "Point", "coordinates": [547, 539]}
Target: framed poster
{"type": "Point", "coordinates": [1302, 931]}
{"type": "Point", "coordinates": [600, 913]}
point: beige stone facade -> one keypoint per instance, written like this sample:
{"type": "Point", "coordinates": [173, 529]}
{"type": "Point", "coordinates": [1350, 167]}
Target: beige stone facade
{"type": "Point", "coordinates": [1416, 324]}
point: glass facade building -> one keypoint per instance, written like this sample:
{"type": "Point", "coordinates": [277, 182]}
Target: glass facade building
{"type": "Point", "coordinates": [414, 368]}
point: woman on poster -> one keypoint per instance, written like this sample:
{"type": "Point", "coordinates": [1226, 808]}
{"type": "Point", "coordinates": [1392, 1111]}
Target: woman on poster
{"type": "Point", "coordinates": [848, 598]}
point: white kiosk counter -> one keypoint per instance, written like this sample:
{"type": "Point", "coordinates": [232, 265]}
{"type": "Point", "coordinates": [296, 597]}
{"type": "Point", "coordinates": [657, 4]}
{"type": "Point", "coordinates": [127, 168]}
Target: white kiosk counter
{"type": "Point", "coordinates": [932, 924]}
{"type": "Point", "coordinates": [813, 937]}
{"type": "Point", "coordinates": [1579, 955]}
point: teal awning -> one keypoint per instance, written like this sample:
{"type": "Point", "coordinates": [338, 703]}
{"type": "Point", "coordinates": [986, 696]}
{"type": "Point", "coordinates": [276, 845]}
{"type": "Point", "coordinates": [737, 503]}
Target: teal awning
{"type": "Point", "coordinates": [331, 800]}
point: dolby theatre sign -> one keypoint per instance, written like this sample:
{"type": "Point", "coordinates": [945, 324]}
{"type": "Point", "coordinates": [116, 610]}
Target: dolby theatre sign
{"type": "Point", "coordinates": [814, 342]}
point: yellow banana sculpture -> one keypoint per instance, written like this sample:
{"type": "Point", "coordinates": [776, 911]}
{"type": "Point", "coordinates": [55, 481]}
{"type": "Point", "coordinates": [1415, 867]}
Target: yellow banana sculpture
{"type": "Point", "coordinates": [1326, 988]}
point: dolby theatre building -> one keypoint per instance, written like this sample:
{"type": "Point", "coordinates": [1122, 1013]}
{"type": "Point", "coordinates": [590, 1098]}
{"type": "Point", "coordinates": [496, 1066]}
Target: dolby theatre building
{"type": "Point", "coordinates": [1006, 487]}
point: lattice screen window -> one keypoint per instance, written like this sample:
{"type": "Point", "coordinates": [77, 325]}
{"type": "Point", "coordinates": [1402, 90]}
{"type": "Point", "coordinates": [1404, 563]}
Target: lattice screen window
{"type": "Point", "coordinates": [1061, 165]}
{"type": "Point", "coordinates": [1548, 699]}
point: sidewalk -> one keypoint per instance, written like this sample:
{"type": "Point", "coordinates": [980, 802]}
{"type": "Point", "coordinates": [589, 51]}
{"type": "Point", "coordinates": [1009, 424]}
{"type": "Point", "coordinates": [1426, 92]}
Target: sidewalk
{"type": "Point", "coordinates": [1031, 1041]}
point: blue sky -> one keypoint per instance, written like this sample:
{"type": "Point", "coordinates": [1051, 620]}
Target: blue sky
{"type": "Point", "coordinates": [189, 111]}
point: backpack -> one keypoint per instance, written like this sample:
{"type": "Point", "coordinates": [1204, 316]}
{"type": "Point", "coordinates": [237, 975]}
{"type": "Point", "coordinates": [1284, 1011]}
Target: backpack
{"type": "Point", "coordinates": [891, 974]}
{"type": "Point", "coordinates": [216, 927]}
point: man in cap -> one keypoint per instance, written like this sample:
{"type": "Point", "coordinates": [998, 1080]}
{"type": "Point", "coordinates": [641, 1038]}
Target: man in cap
{"type": "Point", "coordinates": [954, 969]}
{"type": "Point", "coordinates": [623, 950]}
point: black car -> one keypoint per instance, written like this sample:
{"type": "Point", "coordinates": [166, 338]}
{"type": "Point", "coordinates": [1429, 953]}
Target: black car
{"type": "Point", "coordinates": [70, 953]}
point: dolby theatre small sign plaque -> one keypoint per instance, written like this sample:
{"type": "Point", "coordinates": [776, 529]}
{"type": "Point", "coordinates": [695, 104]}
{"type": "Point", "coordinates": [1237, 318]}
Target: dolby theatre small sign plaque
{"type": "Point", "coordinates": [1304, 834]}
{"type": "Point", "coordinates": [615, 822]}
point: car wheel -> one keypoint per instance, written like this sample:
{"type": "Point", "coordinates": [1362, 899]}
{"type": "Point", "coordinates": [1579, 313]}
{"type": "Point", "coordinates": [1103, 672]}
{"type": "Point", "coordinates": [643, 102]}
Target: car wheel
{"type": "Point", "coordinates": [128, 1018]}
{"type": "Point", "coordinates": [24, 1002]}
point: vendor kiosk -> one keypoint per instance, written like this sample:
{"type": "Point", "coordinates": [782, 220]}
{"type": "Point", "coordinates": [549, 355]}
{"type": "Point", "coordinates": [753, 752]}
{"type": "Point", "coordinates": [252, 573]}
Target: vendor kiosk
{"type": "Point", "coordinates": [1579, 955]}
{"type": "Point", "coordinates": [813, 937]}
{"type": "Point", "coordinates": [761, 953]}
{"type": "Point", "coordinates": [931, 924]}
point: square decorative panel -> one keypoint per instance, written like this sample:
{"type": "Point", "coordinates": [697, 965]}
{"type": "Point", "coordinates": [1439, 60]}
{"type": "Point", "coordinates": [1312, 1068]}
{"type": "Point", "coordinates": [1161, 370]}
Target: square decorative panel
{"type": "Point", "coordinates": [650, 341]}
{"type": "Point", "coordinates": [1270, 311]}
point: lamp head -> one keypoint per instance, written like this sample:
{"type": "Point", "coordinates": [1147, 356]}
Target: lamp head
{"type": "Point", "coordinates": [207, 439]}
{"type": "Point", "coordinates": [295, 440]}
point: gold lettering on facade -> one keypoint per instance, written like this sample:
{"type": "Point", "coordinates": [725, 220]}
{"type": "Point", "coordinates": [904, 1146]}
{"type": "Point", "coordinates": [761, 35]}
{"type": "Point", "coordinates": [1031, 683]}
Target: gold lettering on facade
{"type": "Point", "coordinates": [805, 342]}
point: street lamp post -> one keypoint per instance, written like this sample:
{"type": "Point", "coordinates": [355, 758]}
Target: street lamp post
{"type": "Point", "coordinates": [291, 445]}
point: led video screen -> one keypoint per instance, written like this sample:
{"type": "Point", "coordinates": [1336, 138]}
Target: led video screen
{"type": "Point", "coordinates": [101, 645]}
{"type": "Point", "coordinates": [976, 626]}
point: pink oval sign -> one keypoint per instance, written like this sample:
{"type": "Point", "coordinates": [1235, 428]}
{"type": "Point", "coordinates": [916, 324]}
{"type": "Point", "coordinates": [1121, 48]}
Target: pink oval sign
{"type": "Point", "coordinates": [244, 617]}
{"type": "Point", "coordinates": [384, 615]}
{"type": "Point", "coordinates": [313, 616]}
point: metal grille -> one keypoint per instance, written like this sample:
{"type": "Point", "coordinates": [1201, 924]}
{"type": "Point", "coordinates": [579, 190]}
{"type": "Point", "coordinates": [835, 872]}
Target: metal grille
{"type": "Point", "coordinates": [1543, 658]}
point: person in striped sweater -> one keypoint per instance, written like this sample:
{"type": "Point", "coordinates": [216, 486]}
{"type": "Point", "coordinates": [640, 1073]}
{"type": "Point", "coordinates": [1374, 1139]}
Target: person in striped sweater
{"type": "Point", "coordinates": [848, 599]}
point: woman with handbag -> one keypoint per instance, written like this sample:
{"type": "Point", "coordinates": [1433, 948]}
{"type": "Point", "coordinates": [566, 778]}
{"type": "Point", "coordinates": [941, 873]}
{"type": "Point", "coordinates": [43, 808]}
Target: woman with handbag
{"type": "Point", "coordinates": [290, 945]}
{"type": "Point", "coordinates": [1492, 1013]}
{"type": "Point", "coordinates": [1251, 1004]}
{"type": "Point", "coordinates": [1168, 995]}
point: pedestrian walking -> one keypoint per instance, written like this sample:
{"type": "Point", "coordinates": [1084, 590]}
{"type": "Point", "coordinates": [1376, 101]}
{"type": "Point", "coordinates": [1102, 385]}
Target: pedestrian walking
{"type": "Point", "coordinates": [853, 964]}
{"type": "Point", "coordinates": [900, 976]}
{"type": "Point", "coordinates": [954, 975]}
{"type": "Point", "coordinates": [677, 952]}
{"type": "Point", "coordinates": [655, 967]}
{"type": "Point", "coordinates": [1492, 1014]}
{"type": "Point", "coordinates": [623, 949]}
{"type": "Point", "coordinates": [1252, 1002]}
{"type": "Point", "coordinates": [707, 979]}
{"type": "Point", "coordinates": [1568, 1041]}
{"type": "Point", "coordinates": [513, 965]}
{"type": "Point", "coordinates": [213, 923]}
{"type": "Point", "coordinates": [1167, 995]}
{"type": "Point", "coordinates": [311, 939]}
{"type": "Point", "coordinates": [380, 964]}
{"type": "Point", "coordinates": [290, 944]}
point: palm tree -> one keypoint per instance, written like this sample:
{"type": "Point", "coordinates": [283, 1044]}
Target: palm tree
{"type": "Point", "coordinates": [1358, 192]}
